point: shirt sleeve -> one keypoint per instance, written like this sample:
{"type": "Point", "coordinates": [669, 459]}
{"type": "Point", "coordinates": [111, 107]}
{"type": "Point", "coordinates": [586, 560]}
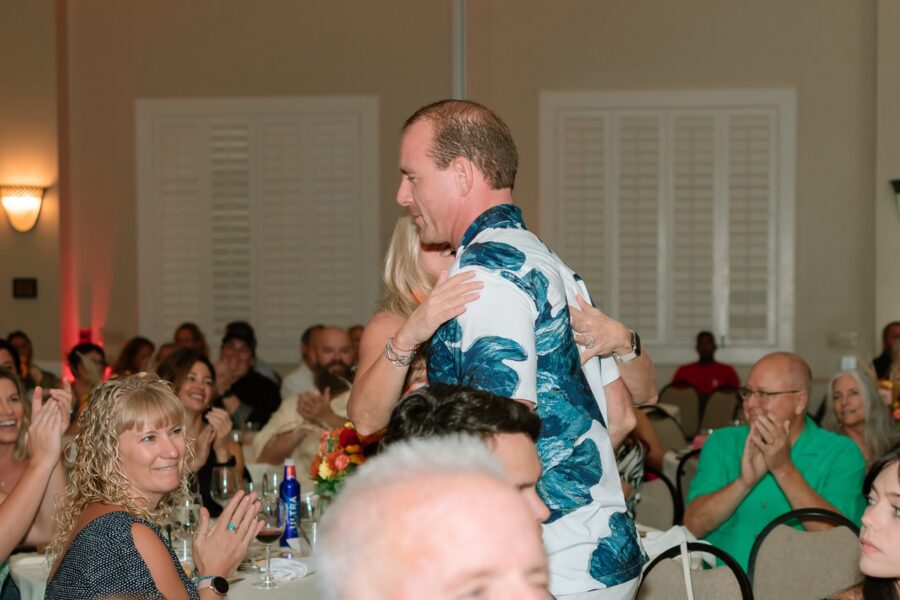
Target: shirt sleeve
{"type": "Point", "coordinates": [843, 487]}
{"type": "Point", "coordinates": [497, 341]}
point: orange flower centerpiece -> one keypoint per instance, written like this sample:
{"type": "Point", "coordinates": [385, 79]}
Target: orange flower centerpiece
{"type": "Point", "coordinates": [341, 451]}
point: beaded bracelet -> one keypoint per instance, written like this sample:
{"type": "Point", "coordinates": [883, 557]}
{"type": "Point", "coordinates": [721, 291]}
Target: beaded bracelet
{"type": "Point", "coordinates": [398, 356]}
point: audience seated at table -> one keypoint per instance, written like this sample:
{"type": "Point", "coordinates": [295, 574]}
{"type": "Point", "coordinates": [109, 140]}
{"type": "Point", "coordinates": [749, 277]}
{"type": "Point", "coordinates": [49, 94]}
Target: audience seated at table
{"type": "Point", "coordinates": [707, 374]}
{"type": "Point", "coordinates": [879, 537]}
{"type": "Point", "coordinates": [31, 474]}
{"type": "Point", "coordinates": [509, 428]}
{"type": "Point", "coordinates": [134, 358]}
{"type": "Point", "coordinates": [206, 428]}
{"type": "Point", "coordinates": [128, 471]}
{"type": "Point", "coordinates": [749, 475]}
{"type": "Point", "coordinates": [431, 519]}
{"type": "Point", "coordinates": [853, 407]}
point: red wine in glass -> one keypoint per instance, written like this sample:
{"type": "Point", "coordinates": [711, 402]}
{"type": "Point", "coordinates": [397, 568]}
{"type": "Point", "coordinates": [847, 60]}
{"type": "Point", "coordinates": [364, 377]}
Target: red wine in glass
{"type": "Point", "coordinates": [269, 536]}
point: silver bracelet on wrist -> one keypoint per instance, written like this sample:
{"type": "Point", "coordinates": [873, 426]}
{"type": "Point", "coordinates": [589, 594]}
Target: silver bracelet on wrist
{"type": "Point", "coordinates": [398, 356]}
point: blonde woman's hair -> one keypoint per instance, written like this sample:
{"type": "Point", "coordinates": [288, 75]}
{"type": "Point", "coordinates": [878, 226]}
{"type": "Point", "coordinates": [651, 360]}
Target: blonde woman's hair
{"type": "Point", "coordinates": [402, 273]}
{"type": "Point", "coordinates": [21, 450]}
{"type": "Point", "coordinates": [98, 474]}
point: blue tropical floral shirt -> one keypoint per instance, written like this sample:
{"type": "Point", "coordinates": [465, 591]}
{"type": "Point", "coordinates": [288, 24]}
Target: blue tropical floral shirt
{"type": "Point", "coordinates": [516, 341]}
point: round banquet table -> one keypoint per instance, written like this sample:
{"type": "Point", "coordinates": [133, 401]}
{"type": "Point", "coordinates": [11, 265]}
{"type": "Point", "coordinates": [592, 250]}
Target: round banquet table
{"type": "Point", "coordinates": [30, 573]}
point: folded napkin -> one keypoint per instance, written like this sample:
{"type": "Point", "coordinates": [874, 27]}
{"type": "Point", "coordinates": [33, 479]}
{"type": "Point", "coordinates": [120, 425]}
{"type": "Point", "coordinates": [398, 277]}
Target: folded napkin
{"type": "Point", "coordinates": [285, 569]}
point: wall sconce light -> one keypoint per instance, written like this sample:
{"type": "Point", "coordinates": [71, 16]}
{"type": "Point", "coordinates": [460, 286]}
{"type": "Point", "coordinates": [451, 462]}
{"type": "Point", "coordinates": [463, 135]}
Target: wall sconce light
{"type": "Point", "coordinates": [22, 204]}
{"type": "Point", "coordinates": [895, 183]}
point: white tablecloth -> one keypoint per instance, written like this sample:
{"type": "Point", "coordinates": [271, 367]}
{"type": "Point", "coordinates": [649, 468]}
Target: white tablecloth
{"type": "Point", "coordinates": [30, 573]}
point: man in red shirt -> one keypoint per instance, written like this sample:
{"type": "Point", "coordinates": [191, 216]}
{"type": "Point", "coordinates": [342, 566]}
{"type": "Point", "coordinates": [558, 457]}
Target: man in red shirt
{"type": "Point", "coordinates": [706, 374]}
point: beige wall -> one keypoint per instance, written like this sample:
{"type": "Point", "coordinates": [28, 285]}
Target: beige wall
{"type": "Point", "coordinates": [823, 48]}
{"type": "Point", "coordinates": [121, 51]}
{"type": "Point", "coordinates": [400, 51]}
{"type": "Point", "coordinates": [887, 217]}
{"type": "Point", "coordinates": [28, 155]}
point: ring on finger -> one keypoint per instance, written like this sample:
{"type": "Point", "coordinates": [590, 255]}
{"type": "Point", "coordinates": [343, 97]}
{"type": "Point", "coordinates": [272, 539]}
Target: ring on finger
{"type": "Point", "coordinates": [589, 343]}
{"type": "Point", "coordinates": [232, 527]}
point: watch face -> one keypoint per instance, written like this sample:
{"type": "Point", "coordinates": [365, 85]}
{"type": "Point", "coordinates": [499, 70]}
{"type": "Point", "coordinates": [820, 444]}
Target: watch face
{"type": "Point", "coordinates": [220, 584]}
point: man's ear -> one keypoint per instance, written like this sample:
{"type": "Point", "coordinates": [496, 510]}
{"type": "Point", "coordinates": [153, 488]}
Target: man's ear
{"type": "Point", "coordinates": [802, 403]}
{"type": "Point", "coordinates": [464, 174]}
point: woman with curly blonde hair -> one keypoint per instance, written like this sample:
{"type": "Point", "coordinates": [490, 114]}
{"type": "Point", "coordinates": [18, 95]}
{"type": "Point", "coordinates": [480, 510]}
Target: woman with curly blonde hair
{"type": "Point", "coordinates": [419, 297]}
{"type": "Point", "coordinates": [129, 469]}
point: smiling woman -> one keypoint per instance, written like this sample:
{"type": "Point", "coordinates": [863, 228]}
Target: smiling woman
{"type": "Point", "coordinates": [128, 471]}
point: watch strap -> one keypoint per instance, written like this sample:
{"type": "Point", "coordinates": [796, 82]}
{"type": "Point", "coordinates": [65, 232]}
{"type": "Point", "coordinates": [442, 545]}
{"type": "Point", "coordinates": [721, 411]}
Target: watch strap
{"type": "Point", "coordinates": [635, 349]}
{"type": "Point", "coordinates": [217, 584]}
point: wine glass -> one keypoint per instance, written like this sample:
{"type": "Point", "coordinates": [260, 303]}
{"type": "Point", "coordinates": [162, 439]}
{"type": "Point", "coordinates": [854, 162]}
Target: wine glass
{"type": "Point", "coordinates": [225, 484]}
{"type": "Point", "coordinates": [271, 484]}
{"type": "Point", "coordinates": [186, 515]}
{"type": "Point", "coordinates": [272, 513]}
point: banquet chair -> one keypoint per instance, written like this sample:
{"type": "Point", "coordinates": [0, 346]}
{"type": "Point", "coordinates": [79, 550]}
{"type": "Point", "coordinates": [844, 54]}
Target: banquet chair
{"type": "Point", "coordinates": [666, 427]}
{"type": "Point", "coordinates": [687, 399]}
{"type": "Point", "coordinates": [721, 408]}
{"type": "Point", "coordinates": [797, 564]}
{"type": "Point", "coordinates": [666, 577]}
{"type": "Point", "coordinates": [687, 468]}
{"type": "Point", "coordinates": [658, 506]}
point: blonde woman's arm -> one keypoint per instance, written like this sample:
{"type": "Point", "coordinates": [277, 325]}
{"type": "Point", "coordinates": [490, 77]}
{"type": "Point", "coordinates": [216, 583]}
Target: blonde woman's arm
{"type": "Point", "coordinates": [379, 382]}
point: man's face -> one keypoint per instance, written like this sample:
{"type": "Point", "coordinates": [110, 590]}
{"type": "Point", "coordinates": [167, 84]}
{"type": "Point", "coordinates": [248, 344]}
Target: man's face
{"type": "Point", "coordinates": [774, 374]}
{"type": "Point", "coordinates": [331, 348]}
{"type": "Point", "coordinates": [238, 357]}
{"type": "Point", "coordinates": [23, 347]}
{"type": "Point", "coordinates": [430, 194]}
{"type": "Point", "coordinates": [706, 347]}
{"type": "Point", "coordinates": [520, 460]}
{"type": "Point", "coordinates": [891, 338]}
{"type": "Point", "coordinates": [490, 548]}
{"type": "Point", "coordinates": [184, 338]}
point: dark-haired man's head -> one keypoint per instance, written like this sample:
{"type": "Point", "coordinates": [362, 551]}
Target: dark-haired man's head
{"type": "Point", "coordinates": [706, 346]}
{"type": "Point", "coordinates": [509, 428]}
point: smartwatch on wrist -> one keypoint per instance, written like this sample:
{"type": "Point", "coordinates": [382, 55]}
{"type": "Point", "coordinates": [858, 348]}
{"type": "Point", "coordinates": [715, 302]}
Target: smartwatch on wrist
{"type": "Point", "coordinates": [217, 584]}
{"type": "Point", "coordinates": [635, 349]}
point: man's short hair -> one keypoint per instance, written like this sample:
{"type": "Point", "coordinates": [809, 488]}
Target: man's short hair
{"type": "Point", "coordinates": [471, 130]}
{"type": "Point", "coordinates": [243, 331]}
{"type": "Point", "coordinates": [307, 335]}
{"type": "Point", "coordinates": [704, 334]}
{"type": "Point", "coordinates": [444, 409]}
{"type": "Point", "coordinates": [887, 328]}
{"type": "Point", "coordinates": [347, 525]}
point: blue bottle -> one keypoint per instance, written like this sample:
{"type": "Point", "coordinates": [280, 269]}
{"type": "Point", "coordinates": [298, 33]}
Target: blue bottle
{"type": "Point", "coordinates": [290, 496]}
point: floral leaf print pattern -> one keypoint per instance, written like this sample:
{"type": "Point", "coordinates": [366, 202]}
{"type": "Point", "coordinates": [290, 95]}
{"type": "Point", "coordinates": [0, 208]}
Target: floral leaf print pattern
{"type": "Point", "coordinates": [617, 559]}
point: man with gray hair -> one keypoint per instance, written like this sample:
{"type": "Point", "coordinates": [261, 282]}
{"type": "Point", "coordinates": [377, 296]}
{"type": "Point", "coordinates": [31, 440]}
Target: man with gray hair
{"type": "Point", "coordinates": [431, 518]}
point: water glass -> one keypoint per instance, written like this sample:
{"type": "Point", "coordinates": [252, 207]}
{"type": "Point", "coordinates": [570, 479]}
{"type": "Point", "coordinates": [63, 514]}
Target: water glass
{"type": "Point", "coordinates": [271, 483]}
{"type": "Point", "coordinates": [225, 484]}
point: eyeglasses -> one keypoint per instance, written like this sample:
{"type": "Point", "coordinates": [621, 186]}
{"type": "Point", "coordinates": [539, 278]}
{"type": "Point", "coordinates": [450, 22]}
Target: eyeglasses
{"type": "Point", "coordinates": [745, 393]}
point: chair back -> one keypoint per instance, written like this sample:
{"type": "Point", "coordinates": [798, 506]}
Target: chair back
{"type": "Point", "coordinates": [664, 577]}
{"type": "Point", "coordinates": [667, 429]}
{"type": "Point", "coordinates": [658, 505]}
{"type": "Point", "coordinates": [782, 555]}
{"type": "Point", "coordinates": [687, 468]}
{"type": "Point", "coordinates": [687, 399]}
{"type": "Point", "coordinates": [721, 408]}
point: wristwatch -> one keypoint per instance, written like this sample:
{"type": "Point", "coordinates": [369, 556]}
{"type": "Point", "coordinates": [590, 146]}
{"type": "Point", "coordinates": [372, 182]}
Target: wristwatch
{"type": "Point", "coordinates": [217, 584]}
{"type": "Point", "coordinates": [635, 349]}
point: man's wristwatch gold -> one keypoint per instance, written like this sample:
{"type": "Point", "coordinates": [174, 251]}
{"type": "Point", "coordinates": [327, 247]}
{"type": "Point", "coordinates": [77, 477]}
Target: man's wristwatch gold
{"type": "Point", "coordinates": [635, 349]}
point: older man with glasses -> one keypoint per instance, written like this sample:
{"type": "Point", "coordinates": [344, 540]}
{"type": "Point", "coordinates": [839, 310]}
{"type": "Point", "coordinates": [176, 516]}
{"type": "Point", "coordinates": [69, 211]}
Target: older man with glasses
{"type": "Point", "coordinates": [782, 461]}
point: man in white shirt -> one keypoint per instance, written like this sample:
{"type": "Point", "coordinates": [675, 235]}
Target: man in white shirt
{"type": "Point", "coordinates": [301, 379]}
{"type": "Point", "coordinates": [295, 428]}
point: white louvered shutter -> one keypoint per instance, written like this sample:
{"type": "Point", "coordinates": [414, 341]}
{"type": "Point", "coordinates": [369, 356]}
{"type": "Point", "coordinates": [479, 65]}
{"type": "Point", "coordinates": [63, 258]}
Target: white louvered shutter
{"type": "Point", "coordinates": [637, 185]}
{"type": "Point", "coordinates": [266, 212]}
{"type": "Point", "coordinates": [583, 199]}
{"type": "Point", "coordinates": [679, 207]}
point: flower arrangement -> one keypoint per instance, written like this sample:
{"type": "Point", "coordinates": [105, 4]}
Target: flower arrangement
{"type": "Point", "coordinates": [341, 451]}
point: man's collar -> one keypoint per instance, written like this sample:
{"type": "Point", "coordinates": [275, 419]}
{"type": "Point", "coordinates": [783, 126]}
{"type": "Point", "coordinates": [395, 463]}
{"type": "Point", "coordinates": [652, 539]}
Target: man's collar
{"type": "Point", "coordinates": [809, 427]}
{"type": "Point", "coordinates": [502, 216]}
